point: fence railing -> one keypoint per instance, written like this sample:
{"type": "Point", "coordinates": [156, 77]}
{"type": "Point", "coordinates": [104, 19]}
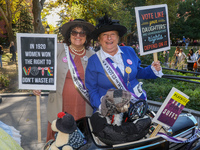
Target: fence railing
{"type": "Point", "coordinates": [180, 78]}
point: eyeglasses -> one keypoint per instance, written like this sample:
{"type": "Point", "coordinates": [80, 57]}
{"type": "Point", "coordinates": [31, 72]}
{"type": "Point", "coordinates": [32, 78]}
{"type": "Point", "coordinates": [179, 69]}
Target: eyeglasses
{"type": "Point", "coordinates": [81, 34]}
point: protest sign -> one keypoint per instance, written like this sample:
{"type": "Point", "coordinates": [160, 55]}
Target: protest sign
{"type": "Point", "coordinates": [37, 65]}
{"type": "Point", "coordinates": [37, 57]}
{"type": "Point", "coordinates": [171, 108]}
{"type": "Point", "coordinates": [153, 28]}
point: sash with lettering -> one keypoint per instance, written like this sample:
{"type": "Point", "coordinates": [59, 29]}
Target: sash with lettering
{"type": "Point", "coordinates": [115, 78]}
{"type": "Point", "coordinates": [79, 85]}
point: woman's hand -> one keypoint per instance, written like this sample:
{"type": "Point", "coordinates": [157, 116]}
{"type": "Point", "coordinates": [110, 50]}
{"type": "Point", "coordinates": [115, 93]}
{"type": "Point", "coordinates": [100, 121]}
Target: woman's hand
{"type": "Point", "coordinates": [37, 92]}
{"type": "Point", "coordinates": [156, 65]}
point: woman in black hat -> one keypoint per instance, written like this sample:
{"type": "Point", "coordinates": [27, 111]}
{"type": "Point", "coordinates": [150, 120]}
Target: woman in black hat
{"type": "Point", "coordinates": [71, 95]}
{"type": "Point", "coordinates": [115, 66]}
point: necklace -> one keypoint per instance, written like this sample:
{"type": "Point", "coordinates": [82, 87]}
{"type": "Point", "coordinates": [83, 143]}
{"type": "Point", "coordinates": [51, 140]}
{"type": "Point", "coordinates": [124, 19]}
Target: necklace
{"type": "Point", "coordinates": [74, 51]}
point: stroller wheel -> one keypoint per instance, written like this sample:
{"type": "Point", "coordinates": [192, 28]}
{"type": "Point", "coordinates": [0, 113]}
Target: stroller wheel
{"type": "Point", "coordinates": [48, 144]}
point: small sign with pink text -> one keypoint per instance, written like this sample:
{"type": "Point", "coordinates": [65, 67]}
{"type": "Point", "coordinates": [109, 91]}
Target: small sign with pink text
{"type": "Point", "coordinates": [171, 108]}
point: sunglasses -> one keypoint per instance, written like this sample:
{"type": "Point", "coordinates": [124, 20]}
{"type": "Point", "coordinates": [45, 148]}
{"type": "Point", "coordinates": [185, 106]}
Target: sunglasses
{"type": "Point", "coordinates": [81, 34]}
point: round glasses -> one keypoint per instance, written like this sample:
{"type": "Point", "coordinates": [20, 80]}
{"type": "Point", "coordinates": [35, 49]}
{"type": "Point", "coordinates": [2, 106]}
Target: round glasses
{"type": "Point", "coordinates": [81, 34]}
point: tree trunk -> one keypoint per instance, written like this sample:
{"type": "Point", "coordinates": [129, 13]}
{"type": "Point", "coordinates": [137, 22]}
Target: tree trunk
{"type": "Point", "coordinates": [10, 33]}
{"type": "Point", "coordinates": [37, 8]}
{"type": "Point", "coordinates": [7, 17]}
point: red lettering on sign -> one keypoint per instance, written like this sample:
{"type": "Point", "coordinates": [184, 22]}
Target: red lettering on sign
{"type": "Point", "coordinates": [160, 44]}
{"type": "Point", "coordinates": [159, 14]}
{"type": "Point", "coordinates": [152, 46]}
{"type": "Point", "coordinates": [147, 16]}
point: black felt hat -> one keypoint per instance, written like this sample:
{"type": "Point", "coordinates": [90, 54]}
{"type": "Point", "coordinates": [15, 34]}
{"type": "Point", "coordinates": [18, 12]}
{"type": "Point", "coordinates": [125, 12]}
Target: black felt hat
{"type": "Point", "coordinates": [106, 24]}
{"type": "Point", "coordinates": [66, 123]}
{"type": "Point", "coordinates": [67, 25]}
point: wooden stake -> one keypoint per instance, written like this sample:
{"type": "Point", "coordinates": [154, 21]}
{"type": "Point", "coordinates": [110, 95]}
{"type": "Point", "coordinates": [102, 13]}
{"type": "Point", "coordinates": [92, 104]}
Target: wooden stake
{"type": "Point", "coordinates": [38, 118]}
{"type": "Point", "coordinates": [157, 129]}
{"type": "Point", "coordinates": [155, 57]}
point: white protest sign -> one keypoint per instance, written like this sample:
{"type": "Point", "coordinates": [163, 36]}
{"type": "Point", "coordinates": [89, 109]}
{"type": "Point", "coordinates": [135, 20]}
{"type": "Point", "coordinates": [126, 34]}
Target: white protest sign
{"type": "Point", "coordinates": [37, 58]}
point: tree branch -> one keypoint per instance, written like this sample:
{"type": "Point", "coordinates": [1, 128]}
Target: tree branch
{"type": "Point", "coordinates": [42, 3]}
{"type": "Point", "coordinates": [4, 16]}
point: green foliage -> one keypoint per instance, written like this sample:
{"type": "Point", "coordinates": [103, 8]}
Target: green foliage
{"type": "Point", "coordinates": [130, 6]}
{"type": "Point", "coordinates": [159, 88]}
{"type": "Point", "coordinates": [4, 80]}
{"type": "Point", "coordinates": [90, 10]}
{"type": "Point", "coordinates": [146, 59]}
{"type": "Point", "coordinates": [172, 8]}
{"type": "Point", "coordinates": [25, 22]}
{"type": "Point", "coordinates": [188, 20]}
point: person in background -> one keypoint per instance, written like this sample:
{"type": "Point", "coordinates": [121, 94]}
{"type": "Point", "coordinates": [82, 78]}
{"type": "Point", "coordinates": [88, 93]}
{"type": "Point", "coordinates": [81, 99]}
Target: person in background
{"type": "Point", "coordinates": [13, 51]}
{"type": "Point", "coordinates": [72, 59]}
{"type": "Point", "coordinates": [183, 42]}
{"type": "Point", "coordinates": [197, 53]}
{"type": "Point", "coordinates": [97, 46]}
{"type": "Point", "coordinates": [181, 56]}
{"type": "Point", "coordinates": [195, 44]}
{"type": "Point", "coordinates": [121, 44]}
{"type": "Point", "coordinates": [191, 59]}
{"type": "Point", "coordinates": [121, 61]}
{"type": "Point", "coordinates": [187, 42]}
{"type": "Point", "coordinates": [176, 55]}
{"type": "Point", "coordinates": [1, 53]}
{"type": "Point", "coordinates": [166, 56]}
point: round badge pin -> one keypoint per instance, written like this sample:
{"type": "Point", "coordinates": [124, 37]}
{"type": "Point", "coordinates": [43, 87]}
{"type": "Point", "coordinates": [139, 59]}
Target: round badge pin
{"type": "Point", "coordinates": [128, 70]}
{"type": "Point", "coordinates": [64, 59]}
{"type": "Point", "coordinates": [85, 58]}
{"type": "Point", "coordinates": [129, 61]}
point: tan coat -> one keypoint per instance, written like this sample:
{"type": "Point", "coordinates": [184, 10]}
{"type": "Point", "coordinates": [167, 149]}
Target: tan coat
{"type": "Point", "coordinates": [55, 97]}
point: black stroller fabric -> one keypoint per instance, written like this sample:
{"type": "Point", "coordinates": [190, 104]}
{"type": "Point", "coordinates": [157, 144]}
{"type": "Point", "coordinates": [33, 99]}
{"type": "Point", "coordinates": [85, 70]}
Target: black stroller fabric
{"type": "Point", "coordinates": [112, 134]}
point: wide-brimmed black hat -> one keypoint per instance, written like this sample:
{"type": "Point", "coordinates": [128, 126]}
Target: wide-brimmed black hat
{"type": "Point", "coordinates": [66, 123]}
{"type": "Point", "coordinates": [67, 25]}
{"type": "Point", "coordinates": [106, 24]}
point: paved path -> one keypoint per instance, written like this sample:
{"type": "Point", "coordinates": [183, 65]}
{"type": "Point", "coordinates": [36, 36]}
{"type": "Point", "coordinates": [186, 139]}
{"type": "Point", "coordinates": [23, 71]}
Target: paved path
{"type": "Point", "coordinates": [20, 112]}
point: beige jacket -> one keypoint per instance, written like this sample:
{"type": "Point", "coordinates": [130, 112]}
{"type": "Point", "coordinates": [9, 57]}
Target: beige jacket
{"type": "Point", "coordinates": [54, 105]}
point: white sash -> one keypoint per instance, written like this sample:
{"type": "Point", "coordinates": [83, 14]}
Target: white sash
{"type": "Point", "coordinates": [115, 77]}
{"type": "Point", "coordinates": [79, 85]}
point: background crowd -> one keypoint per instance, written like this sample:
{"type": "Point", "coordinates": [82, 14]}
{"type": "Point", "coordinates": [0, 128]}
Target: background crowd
{"type": "Point", "coordinates": [191, 59]}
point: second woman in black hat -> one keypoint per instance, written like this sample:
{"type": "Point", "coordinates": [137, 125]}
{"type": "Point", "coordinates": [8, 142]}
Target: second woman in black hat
{"type": "Point", "coordinates": [115, 67]}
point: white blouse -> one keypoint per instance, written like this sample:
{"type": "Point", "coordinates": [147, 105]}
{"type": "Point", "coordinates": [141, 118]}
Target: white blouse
{"type": "Point", "coordinates": [118, 61]}
{"type": "Point", "coordinates": [192, 58]}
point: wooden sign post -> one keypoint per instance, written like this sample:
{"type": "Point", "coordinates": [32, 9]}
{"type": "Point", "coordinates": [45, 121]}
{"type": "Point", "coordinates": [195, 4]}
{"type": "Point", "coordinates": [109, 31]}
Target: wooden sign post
{"type": "Point", "coordinates": [37, 58]}
{"type": "Point", "coordinates": [38, 117]}
{"type": "Point", "coordinates": [153, 33]}
{"type": "Point", "coordinates": [155, 57]}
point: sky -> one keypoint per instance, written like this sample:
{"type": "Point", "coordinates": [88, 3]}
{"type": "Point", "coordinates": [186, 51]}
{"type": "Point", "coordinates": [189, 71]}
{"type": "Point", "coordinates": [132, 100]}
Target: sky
{"type": "Point", "coordinates": [51, 19]}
